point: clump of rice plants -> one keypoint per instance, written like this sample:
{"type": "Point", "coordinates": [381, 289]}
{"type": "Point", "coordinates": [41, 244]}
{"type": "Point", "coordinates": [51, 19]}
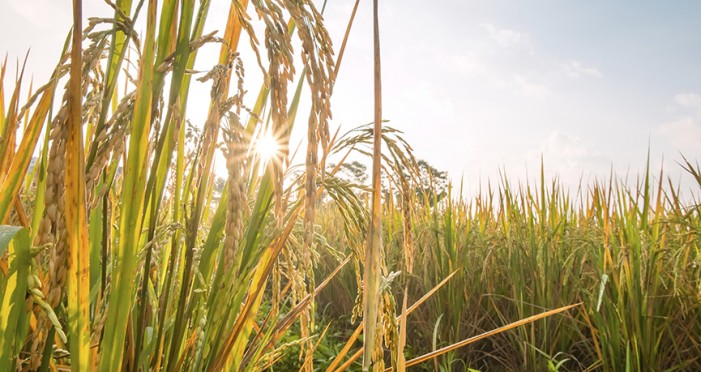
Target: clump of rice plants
{"type": "Point", "coordinates": [629, 255]}
{"type": "Point", "coordinates": [129, 261]}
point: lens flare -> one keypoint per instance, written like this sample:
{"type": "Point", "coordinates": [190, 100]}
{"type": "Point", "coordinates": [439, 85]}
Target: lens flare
{"type": "Point", "coordinates": [267, 147]}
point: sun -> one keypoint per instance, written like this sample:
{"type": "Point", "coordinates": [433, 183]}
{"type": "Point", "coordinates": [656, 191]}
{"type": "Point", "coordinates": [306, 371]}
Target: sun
{"type": "Point", "coordinates": [267, 147]}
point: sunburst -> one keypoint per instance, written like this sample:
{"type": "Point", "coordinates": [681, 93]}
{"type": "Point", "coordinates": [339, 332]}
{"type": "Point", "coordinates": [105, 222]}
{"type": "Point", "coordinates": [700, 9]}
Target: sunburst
{"type": "Point", "coordinates": [268, 147]}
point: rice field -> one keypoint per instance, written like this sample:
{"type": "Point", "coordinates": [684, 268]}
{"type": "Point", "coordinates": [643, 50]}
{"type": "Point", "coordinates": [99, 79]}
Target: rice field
{"type": "Point", "coordinates": [627, 256]}
{"type": "Point", "coordinates": [123, 249]}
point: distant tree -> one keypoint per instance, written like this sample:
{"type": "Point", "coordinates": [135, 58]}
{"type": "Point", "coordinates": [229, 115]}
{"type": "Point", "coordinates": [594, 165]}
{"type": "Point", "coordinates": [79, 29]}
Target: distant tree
{"type": "Point", "coordinates": [429, 183]}
{"type": "Point", "coordinates": [355, 172]}
{"type": "Point", "coordinates": [433, 183]}
{"type": "Point", "coordinates": [219, 184]}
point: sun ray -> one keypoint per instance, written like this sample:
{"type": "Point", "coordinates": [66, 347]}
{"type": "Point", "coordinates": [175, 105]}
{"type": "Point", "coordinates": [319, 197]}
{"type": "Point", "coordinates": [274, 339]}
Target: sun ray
{"type": "Point", "coordinates": [267, 147]}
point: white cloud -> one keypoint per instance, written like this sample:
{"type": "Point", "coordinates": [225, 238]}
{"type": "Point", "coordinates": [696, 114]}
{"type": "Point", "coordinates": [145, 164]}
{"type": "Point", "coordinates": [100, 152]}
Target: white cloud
{"type": "Point", "coordinates": [531, 89]}
{"type": "Point", "coordinates": [484, 72]}
{"type": "Point", "coordinates": [692, 100]}
{"type": "Point", "coordinates": [534, 74]}
{"type": "Point", "coordinates": [467, 65]}
{"type": "Point", "coordinates": [575, 69]}
{"type": "Point", "coordinates": [564, 150]}
{"type": "Point", "coordinates": [570, 158]}
{"type": "Point", "coordinates": [505, 37]}
{"type": "Point", "coordinates": [684, 134]}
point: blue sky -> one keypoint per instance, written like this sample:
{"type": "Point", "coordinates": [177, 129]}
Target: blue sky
{"type": "Point", "coordinates": [478, 86]}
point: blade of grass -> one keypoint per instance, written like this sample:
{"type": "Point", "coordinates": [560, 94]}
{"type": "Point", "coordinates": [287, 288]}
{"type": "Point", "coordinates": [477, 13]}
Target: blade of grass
{"type": "Point", "coordinates": [76, 221]}
{"type": "Point", "coordinates": [20, 163]}
{"type": "Point", "coordinates": [482, 336]}
{"type": "Point", "coordinates": [210, 133]}
{"type": "Point", "coordinates": [131, 214]}
{"type": "Point", "coordinates": [9, 134]}
{"type": "Point", "coordinates": [371, 282]}
{"type": "Point", "coordinates": [3, 68]}
{"type": "Point", "coordinates": [13, 309]}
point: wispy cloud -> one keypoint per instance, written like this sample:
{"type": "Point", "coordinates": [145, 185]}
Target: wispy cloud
{"type": "Point", "coordinates": [466, 65]}
{"type": "Point", "coordinates": [520, 67]}
{"type": "Point", "coordinates": [570, 158]}
{"type": "Point", "coordinates": [691, 100]}
{"type": "Point", "coordinates": [575, 69]}
{"type": "Point", "coordinates": [684, 133]}
{"type": "Point", "coordinates": [564, 149]}
{"type": "Point", "coordinates": [530, 88]}
{"type": "Point", "coordinates": [506, 37]}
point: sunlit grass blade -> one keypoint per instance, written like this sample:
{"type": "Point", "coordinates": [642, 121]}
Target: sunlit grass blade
{"type": "Point", "coordinates": [131, 215]}
{"type": "Point", "coordinates": [8, 135]}
{"type": "Point", "coordinates": [470, 340]}
{"type": "Point", "coordinates": [373, 250]}
{"type": "Point", "coordinates": [349, 343]}
{"type": "Point", "coordinates": [13, 309]}
{"type": "Point", "coordinates": [19, 164]}
{"type": "Point", "coordinates": [119, 49]}
{"type": "Point", "coordinates": [210, 137]}
{"type": "Point", "coordinates": [76, 221]}
{"type": "Point", "coordinates": [3, 69]}
{"type": "Point", "coordinates": [286, 322]}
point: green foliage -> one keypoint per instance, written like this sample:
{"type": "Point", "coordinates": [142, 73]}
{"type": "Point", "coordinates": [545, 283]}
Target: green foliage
{"type": "Point", "coordinates": [14, 319]}
{"type": "Point", "coordinates": [354, 171]}
{"type": "Point", "coordinates": [629, 254]}
{"type": "Point", "coordinates": [162, 278]}
{"type": "Point", "coordinates": [432, 185]}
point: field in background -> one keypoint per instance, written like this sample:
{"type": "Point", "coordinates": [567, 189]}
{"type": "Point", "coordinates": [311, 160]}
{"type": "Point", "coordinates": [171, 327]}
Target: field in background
{"type": "Point", "coordinates": [629, 255]}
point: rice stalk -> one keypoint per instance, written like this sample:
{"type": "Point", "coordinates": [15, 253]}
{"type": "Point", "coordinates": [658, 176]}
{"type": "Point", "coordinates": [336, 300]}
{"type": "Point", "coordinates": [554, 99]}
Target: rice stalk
{"type": "Point", "coordinates": [75, 210]}
{"type": "Point", "coordinates": [373, 252]}
{"type": "Point", "coordinates": [130, 211]}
